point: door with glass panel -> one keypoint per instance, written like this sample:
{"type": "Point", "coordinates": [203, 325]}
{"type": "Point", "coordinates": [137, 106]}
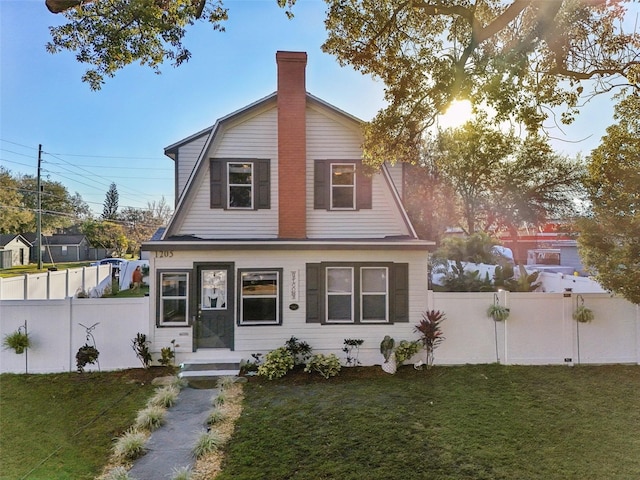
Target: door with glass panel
{"type": "Point", "coordinates": [214, 322]}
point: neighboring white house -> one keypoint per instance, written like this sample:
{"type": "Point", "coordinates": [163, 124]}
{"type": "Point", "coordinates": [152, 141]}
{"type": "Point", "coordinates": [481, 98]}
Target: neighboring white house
{"type": "Point", "coordinates": [278, 232]}
{"type": "Point", "coordinates": [14, 250]}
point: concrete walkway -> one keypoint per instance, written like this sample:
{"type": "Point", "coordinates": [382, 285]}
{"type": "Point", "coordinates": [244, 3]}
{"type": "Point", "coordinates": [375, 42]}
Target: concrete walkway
{"type": "Point", "coordinates": [170, 446]}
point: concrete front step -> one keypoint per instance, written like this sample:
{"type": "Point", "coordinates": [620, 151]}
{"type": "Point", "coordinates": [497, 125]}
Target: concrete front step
{"type": "Point", "coordinates": [202, 370]}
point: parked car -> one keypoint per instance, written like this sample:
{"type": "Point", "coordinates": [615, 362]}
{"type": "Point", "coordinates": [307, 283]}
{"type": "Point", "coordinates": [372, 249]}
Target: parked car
{"type": "Point", "coordinates": [115, 262]}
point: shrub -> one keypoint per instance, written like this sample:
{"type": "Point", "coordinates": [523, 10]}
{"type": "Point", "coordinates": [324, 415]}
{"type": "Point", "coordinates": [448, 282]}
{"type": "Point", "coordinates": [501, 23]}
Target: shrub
{"type": "Point", "coordinates": [351, 344]}
{"type": "Point", "coordinates": [164, 397]}
{"type": "Point", "coordinates": [130, 445]}
{"type": "Point", "coordinates": [405, 350]}
{"type": "Point", "coordinates": [325, 365]}
{"type": "Point", "coordinates": [140, 346]}
{"type": "Point", "coordinates": [150, 418]}
{"type": "Point", "coordinates": [277, 363]}
{"type": "Point", "coordinates": [207, 443]}
{"type": "Point", "coordinates": [166, 356]}
{"type": "Point", "coordinates": [301, 351]}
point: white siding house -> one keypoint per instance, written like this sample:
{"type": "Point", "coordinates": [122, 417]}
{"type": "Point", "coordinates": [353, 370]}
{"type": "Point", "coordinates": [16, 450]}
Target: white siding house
{"type": "Point", "coordinates": [278, 232]}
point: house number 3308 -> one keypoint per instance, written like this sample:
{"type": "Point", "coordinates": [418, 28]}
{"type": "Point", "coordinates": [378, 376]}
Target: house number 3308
{"type": "Point", "coordinates": [164, 253]}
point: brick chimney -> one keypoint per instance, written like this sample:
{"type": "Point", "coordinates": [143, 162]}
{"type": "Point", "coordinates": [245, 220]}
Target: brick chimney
{"type": "Point", "coordinates": [292, 145]}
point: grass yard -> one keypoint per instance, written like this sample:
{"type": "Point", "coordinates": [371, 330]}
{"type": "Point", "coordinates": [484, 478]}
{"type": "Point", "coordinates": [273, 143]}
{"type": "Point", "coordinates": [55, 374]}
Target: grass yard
{"type": "Point", "coordinates": [33, 268]}
{"type": "Point", "coordinates": [61, 426]}
{"type": "Point", "coordinates": [470, 422]}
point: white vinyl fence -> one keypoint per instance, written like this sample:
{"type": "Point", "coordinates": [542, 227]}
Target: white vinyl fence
{"type": "Point", "coordinates": [539, 331]}
{"type": "Point", "coordinates": [53, 284]}
{"type": "Point", "coordinates": [57, 330]}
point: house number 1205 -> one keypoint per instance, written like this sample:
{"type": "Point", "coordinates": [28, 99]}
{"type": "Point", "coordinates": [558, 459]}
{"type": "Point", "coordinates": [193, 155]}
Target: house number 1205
{"type": "Point", "coordinates": [164, 253]}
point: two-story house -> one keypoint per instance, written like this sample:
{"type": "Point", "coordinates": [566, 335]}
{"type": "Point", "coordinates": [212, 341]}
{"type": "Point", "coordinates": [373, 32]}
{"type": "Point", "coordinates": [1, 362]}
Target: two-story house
{"type": "Point", "coordinates": [278, 232]}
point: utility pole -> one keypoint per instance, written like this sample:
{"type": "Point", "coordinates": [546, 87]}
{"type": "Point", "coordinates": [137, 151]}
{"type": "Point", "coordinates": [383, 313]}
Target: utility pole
{"type": "Point", "coordinates": [39, 211]}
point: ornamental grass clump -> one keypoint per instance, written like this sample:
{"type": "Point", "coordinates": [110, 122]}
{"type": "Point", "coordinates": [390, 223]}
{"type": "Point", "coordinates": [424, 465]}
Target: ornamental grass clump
{"type": "Point", "coordinates": [219, 399]}
{"type": "Point", "coordinates": [225, 382]}
{"type": "Point", "coordinates": [18, 341]}
{"type": "Point", "coordinates": [118, 473]}
{"type": "Point", "coordinates": [150, 418]}
{"type": "Point", "coordinates": [164, 397]}
{"type": "Point", "coordinates": [182, 473]}
{"type": "Point", "coordinates": [207, 442]}
{"type": "Point", "coordinates": [217, 415]}
{"type": "Point", "coordinates": [130, 445]}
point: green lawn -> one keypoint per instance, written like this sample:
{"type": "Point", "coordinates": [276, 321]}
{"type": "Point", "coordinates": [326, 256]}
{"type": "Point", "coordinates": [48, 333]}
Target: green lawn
{"type": "Point", "coordinates": [33, 268]}
{"type": "Point", "coordinates": [61, 426]}
{"type": "Point", "coordinates": [472, 422]}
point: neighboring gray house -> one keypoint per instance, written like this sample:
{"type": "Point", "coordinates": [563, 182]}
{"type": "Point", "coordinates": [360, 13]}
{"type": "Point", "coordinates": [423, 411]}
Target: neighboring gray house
{"type": "Point", "coordinates": [14, 250]}
{"type": "Point", "coordinates": [58, 248]}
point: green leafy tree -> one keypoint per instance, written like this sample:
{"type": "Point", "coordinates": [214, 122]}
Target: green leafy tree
{"type": "Point", "coordinates": [107, 35]}
{"type": "Point", "coordinates": [501, 181]}
{"type": "Point", "coordinates": [60, 209]}
{"type": "Point", "coordinates": [520, 58]}
{"type": "Point", "coordinates": [106, 234]}
{"type": "Point", "coordinates": [141, 224]}
{"type": "Point", "coordinates": [110, 210]}
{"type": "Point", "coordinates": [609, 238]}
{"type": "Point", "coordinates": [15, 217]}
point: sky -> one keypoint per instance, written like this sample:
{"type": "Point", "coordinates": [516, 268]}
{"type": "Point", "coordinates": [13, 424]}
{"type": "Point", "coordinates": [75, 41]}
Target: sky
{"type": "Point", "coordinates": [118, 134]}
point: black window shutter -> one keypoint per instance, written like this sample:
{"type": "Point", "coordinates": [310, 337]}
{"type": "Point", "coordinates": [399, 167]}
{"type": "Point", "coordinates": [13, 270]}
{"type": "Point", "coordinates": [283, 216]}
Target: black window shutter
{"type": "Point", "coordinates": [321, 185]}
{"type": "Point", "coordinates": [363, 189]}
{"type": "Point", "coordinates": [217, 188]}
{"type": "Point", "coordinates": [263, 184]}
{"type": "Point", "coordinates": [400, 292]}
{"type": "Point", "coordinates": [315, 300]}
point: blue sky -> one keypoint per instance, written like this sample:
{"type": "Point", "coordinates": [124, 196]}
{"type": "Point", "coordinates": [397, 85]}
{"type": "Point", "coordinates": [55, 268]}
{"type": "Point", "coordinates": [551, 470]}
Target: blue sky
{"type": "Point", "coordinates": [118, 134]}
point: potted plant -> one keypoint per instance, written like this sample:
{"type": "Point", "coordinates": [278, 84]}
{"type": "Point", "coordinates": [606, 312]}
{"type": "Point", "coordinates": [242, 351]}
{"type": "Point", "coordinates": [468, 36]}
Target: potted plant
{"type": "Point", "coordinates": [87, 354]}
{"type": "Point", "coordinates": [386, 349]}
{"type": "Point", "coordinates": [18, 341]}
{"type": "Point", "coordinates": [498, 312]}
{"type": "Point", "coordinates": [583, 314]}
{"type": "Point", "coordinates": [430, 333]}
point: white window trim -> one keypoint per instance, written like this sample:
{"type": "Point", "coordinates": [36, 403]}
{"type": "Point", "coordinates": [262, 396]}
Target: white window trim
{"type": "Point", "coordinates": [328, 294]}
{"type": "Point", "coordinates": [244, 185]}
{"type": "Point", "coordinates": [385, 293]}
{"type": "Point", "coordinates": [161, 320]}
{"type": "Point", "coordinates": [241, 320]}
{"type": "Point", "coordinates": [332, 186]}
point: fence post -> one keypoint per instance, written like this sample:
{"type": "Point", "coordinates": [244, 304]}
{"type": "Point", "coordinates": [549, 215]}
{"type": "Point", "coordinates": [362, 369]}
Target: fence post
{"type": "Point", "coordinates": [25, 295]}
{"type": "Point", "coordinates": [48, 284]}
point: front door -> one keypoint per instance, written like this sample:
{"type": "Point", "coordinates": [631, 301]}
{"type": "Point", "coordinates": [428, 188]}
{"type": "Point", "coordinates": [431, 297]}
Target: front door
{"type": "Point", "coordinates": [214, 321]}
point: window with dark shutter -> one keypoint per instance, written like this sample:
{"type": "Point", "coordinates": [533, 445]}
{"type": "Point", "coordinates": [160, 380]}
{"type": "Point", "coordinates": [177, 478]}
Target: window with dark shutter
{"type": "Point", "coordinates": [357, 293]}
{"type": "Point", "coordinates": [240, 184]}
{"type": "Point", "coordinates": [334, 186]}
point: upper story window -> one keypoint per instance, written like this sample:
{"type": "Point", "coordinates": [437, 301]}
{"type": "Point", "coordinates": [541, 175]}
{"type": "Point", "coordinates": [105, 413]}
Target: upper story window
{"type": "Point", "coordinates": [343, 186]}
{"type": "Point", "coordinates": [239, 184]}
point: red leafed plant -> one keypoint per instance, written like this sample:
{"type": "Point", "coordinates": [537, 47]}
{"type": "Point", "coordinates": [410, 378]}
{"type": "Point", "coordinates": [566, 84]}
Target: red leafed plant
{"type": "Point", "coordinates": [430, 332]}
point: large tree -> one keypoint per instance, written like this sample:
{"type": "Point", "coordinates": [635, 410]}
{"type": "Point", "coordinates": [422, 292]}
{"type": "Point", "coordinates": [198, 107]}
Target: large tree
{"type": "Point", "coordinates": [110, 208]}
{"type": "Point", "coordinates": [107, 35]}
{"type": "Point", "coordinates": [520, 58]}
{"type": "Point", "coordinates": [502, 181]}
{"type": "Point", "coordinates": [610, 238]}
{"type": "Point", "coordinates": [60, 209]}
{"type": "Point", "coordinates": [141, 223]}
{"type": "Point", "coordinates": [15, 217]}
